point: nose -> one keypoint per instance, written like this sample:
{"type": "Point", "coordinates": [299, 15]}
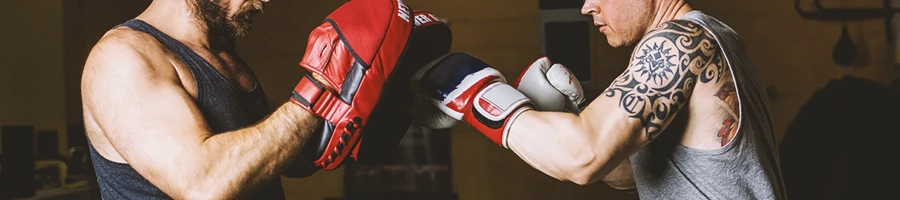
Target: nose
{"type": "Point", "coordinates": [587, 9]}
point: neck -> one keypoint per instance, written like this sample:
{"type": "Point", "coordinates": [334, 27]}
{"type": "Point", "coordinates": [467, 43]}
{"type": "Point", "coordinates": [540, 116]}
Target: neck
{"type": "Point", "coordinates": [668, 10]}
{"type": "Point", "coordinates": [178, 19]}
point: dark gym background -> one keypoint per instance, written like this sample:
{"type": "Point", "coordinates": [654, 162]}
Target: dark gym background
{"type": "Point", "coordinates": [828, 100]}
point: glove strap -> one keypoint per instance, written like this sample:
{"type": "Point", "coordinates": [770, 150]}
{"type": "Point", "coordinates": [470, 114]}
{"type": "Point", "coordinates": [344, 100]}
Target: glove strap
{"type": "Point", "coordinates": [315, 98]}
{"type": "Point", "coordinates": [308, 92]}
{"type": "Point", "coordinates": [495, 108]}
{"type": "Point", "coordinates": [312, 96]}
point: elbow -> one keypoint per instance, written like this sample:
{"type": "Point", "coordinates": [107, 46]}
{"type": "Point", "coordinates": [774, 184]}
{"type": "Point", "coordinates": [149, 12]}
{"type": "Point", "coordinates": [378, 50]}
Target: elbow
{"type": "Point", "coordinates": [203, 193]}
{"type": "Point", "coordinates": [585, 170]}
{"type": "Point", "coordinates": [583, 176]}
{"type": "Point", "coordinates": [582, 181]}
{"type": "Point", "coordinates": [620, 185]}
{"type": "Point", "coordinates": [202, 189]}
{"type": "Point", "coordinates": [587, 163]}
{"type": "Point", "coordinates": [622, 177]}
{"type": "Point", "coordinates": [195, 194]}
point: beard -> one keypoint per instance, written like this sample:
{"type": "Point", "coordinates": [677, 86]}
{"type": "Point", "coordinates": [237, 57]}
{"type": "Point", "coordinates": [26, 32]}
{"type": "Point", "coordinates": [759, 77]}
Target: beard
{"type": "Point", "coordinates": [216, 18]}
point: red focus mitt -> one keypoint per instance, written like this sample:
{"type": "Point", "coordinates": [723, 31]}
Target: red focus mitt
{"type": "Point", "coordinates": [353, 53]}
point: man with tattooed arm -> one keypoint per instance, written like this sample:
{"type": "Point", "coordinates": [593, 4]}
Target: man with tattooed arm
{"type": "Point", "coordinates": [687, 119]}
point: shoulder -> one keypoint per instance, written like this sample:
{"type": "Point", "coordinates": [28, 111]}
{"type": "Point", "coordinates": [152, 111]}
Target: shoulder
{"type": "Point", "coordinates": [123, 44]}
{"type": "Point", "coordinates": [684, 45]}
{"type": "Point", "coordinates": [125, 60]}
{"type": "Point", "coordinates": [681, 36]}
{"type": "Point", "coordinates": [662, 73]}
{"type": "Point", "coordinates": [123, 51]}
{"type": "Point", "coordinates": [679, 28]}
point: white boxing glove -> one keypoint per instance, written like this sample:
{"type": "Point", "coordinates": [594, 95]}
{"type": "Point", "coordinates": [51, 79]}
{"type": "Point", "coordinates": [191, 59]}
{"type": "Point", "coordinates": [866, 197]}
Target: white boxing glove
{"type": "Point", "coordinates": [551, 87]}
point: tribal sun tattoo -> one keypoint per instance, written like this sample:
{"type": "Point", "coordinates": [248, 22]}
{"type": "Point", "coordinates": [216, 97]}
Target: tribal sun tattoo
{"type": "Point", "coordinates": [664, 68]}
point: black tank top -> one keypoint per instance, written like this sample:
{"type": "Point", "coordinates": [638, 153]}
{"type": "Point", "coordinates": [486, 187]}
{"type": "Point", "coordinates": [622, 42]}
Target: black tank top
{"type": "Point", "coordinates": [224, 106]}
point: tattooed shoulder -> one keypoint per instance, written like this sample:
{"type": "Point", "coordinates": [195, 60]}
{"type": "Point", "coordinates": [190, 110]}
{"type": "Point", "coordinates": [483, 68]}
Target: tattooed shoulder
{"type": "Point", "coordinates": [664, 68]}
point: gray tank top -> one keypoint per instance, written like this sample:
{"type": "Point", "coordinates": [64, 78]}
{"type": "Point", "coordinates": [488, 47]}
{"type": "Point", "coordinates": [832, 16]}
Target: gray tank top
{"type": "Point", "coordinates": [746, 168]}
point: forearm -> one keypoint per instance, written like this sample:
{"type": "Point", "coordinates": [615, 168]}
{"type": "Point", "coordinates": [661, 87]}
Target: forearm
{"type": "Point", "coordinates": [240, 161]}
{"type": "Point", "coordinates": [547, 141]}
{"type": "Point", "coordinates": [564, 146]}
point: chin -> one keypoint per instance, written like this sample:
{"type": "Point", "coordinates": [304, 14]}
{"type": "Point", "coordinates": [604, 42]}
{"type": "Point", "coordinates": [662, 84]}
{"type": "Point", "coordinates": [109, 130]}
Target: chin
{"type": "Point", "coordinates": [622, 42]}
{"type": "Point", "coordinates": [614, 42]}
{"type": "Point", "coordinates": [240, 28]}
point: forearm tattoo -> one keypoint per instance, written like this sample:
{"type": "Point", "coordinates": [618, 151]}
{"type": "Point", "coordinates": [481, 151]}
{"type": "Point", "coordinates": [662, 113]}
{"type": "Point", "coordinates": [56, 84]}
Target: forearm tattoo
{"type": "Point", "coordinates": [664, 68]}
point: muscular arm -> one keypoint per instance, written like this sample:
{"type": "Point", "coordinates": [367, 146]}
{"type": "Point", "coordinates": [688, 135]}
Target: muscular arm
{"type": "Point", "coordinates": [141, 107]}
{"type": "Point", "coordinates": [631, 112]}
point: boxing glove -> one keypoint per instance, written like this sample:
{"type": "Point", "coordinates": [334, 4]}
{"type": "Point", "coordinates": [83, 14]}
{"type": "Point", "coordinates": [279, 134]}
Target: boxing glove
{"type": "Point", "coordinates": [422, 112]}
{"type": "Point", "coordinates": [551, 87]}
{"type": "Point", "coordinates": [431, 38]}
{"type": "Point", "coordinates": [467, 89]}
{"type": "Point", "coordinates": [352, 54]}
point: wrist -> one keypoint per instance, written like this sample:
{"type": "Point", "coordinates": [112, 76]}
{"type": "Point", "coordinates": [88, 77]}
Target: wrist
{"type": "Point", "coordinates": [303, 120]}
{"type": "Point", "coordinates": [494, 109]}
{"type": "Point", "coordinates": [500, 135]}
{"type": "Point", "coordinates": [509, 124]}
{"type": "Point", "coordinates": [305, 124]}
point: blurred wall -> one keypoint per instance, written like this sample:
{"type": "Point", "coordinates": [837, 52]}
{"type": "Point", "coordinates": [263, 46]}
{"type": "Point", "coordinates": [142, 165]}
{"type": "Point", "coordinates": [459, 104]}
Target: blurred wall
{"type": "Point", "coordinates": [87, 21]}
{"type": "Point", "coordinates": [32, 86]}
{"type": "Point", "coordinates": [41, 60]}
{"type": "Point", "coordinates": [795, 55]}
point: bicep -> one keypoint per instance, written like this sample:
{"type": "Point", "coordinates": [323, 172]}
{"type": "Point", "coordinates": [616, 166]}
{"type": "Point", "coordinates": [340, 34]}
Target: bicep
{"type": "Point", "coordinates": [658, 82]}
{"type": "Point", "coordinates": [143, 111]}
